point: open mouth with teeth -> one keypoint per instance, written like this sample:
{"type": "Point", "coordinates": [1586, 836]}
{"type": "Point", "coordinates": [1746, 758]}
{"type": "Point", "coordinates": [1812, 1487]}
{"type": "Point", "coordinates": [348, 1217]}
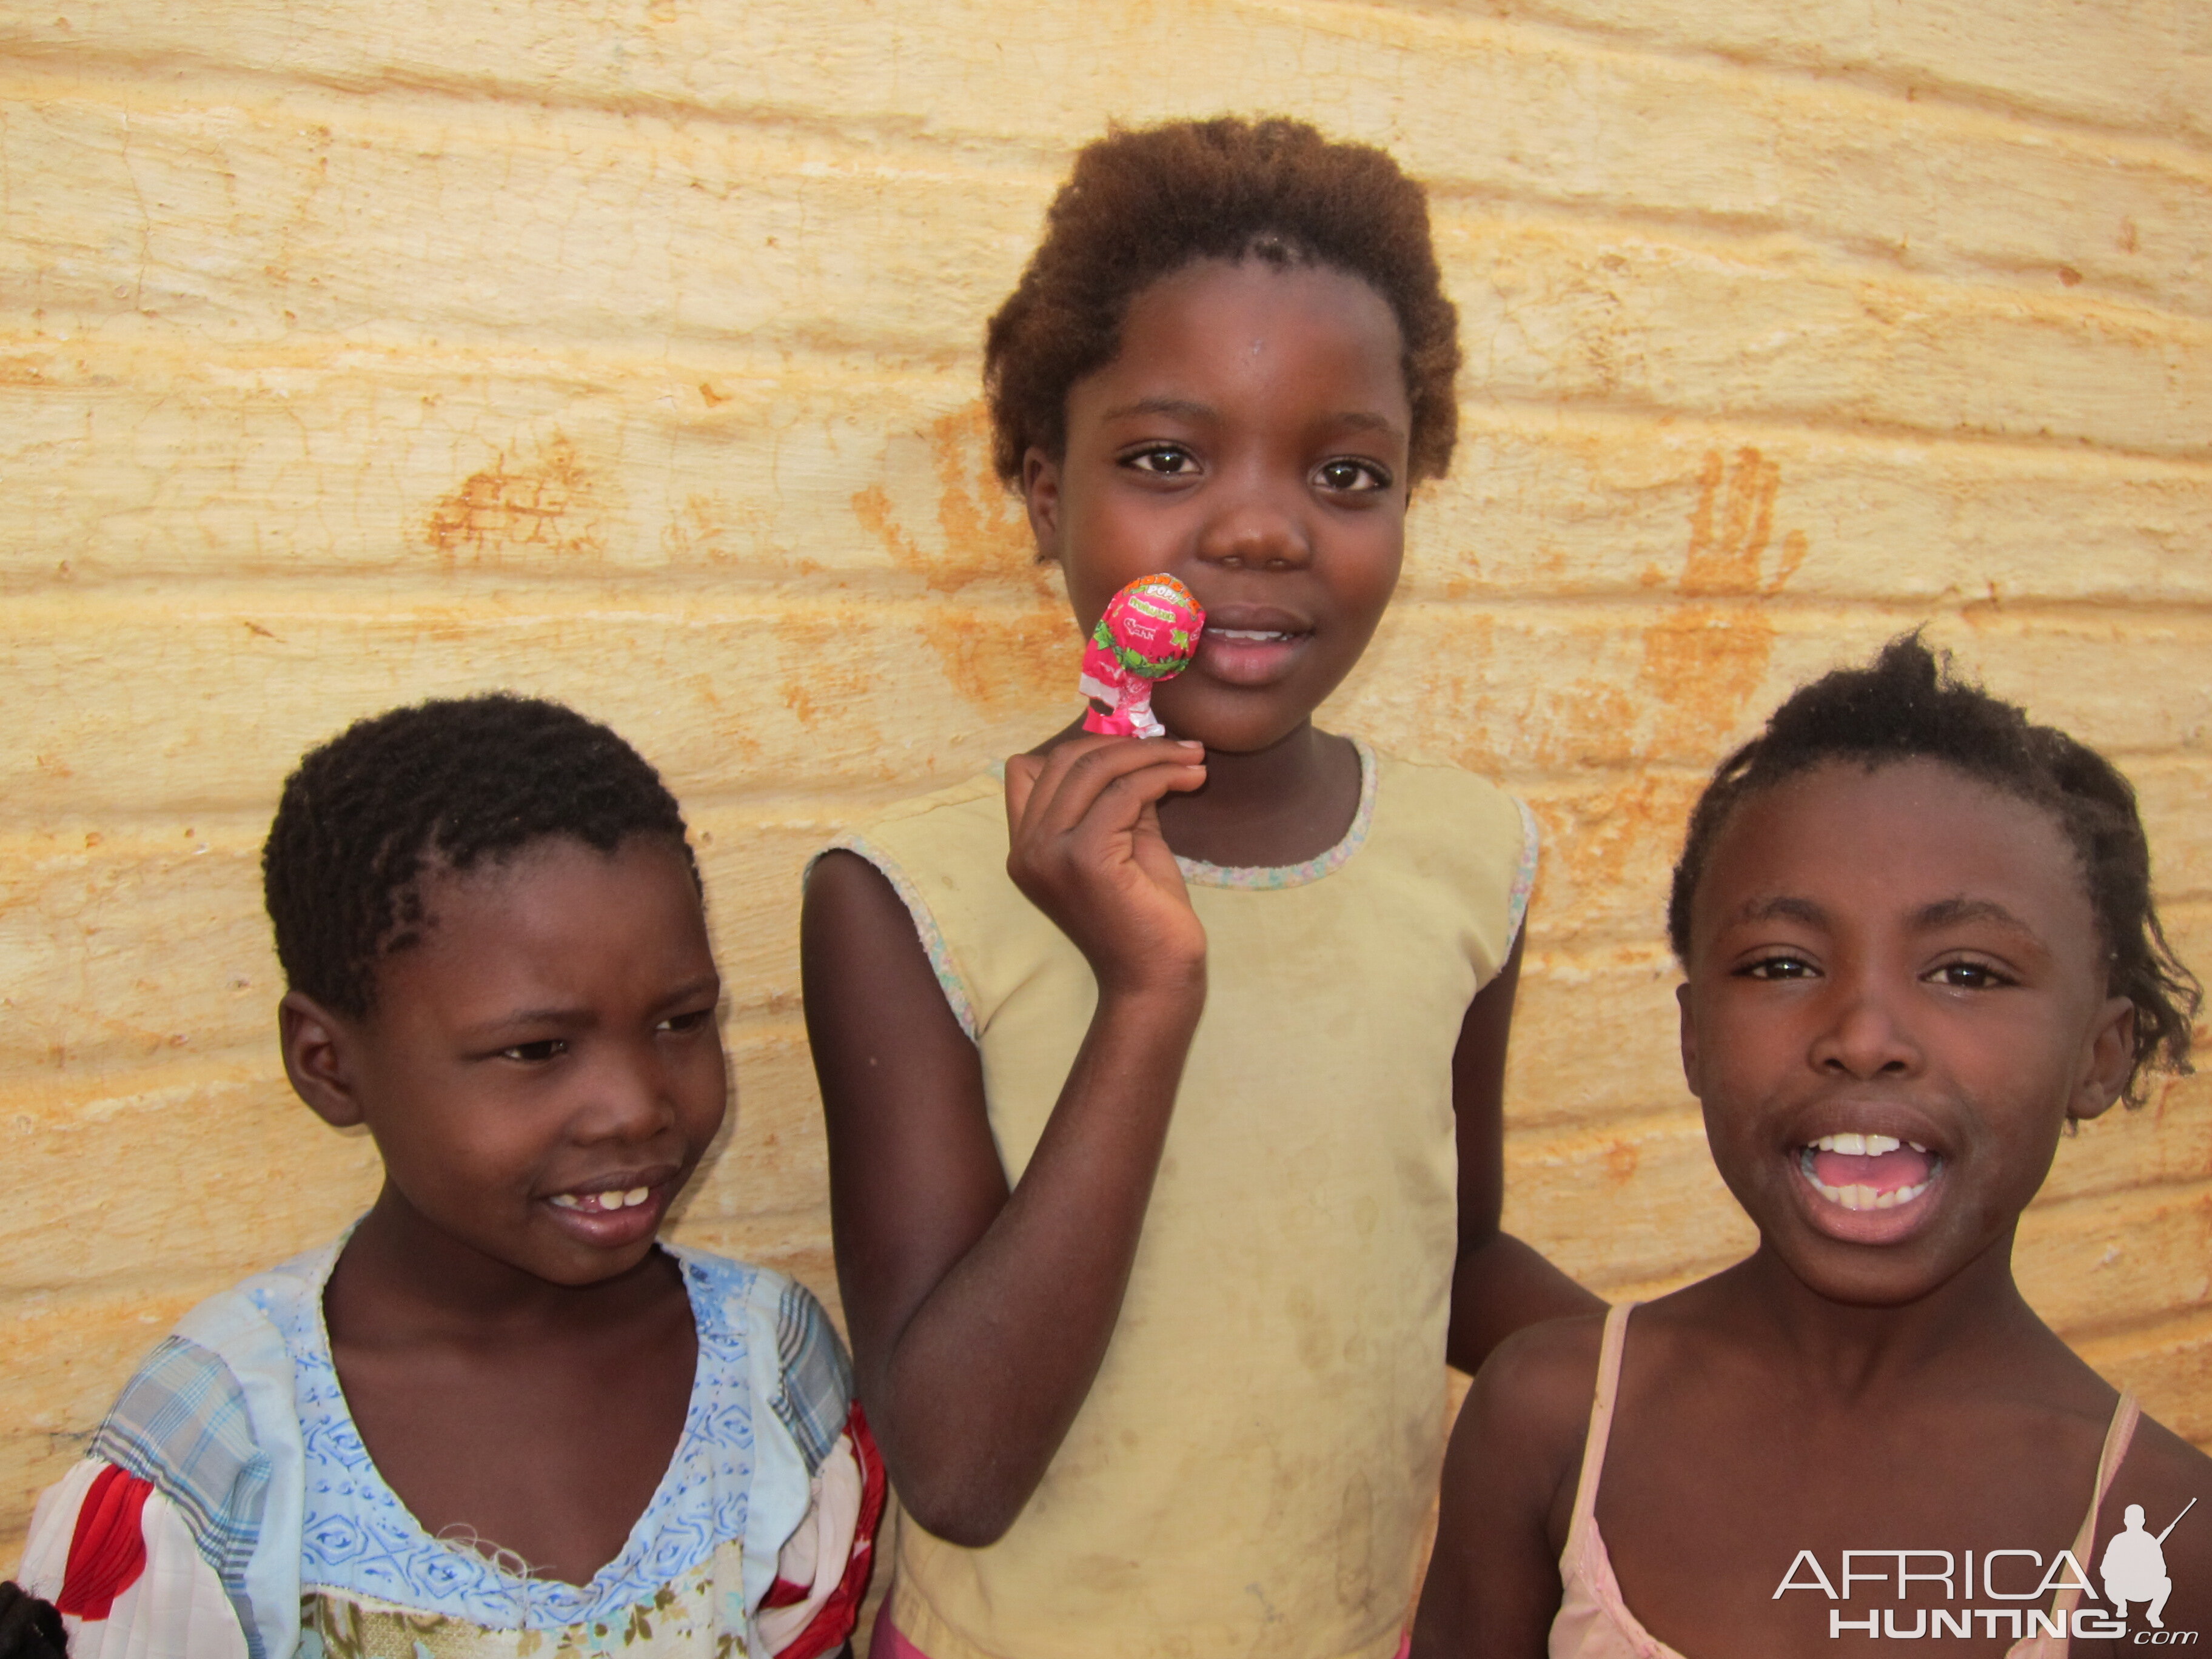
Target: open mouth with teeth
{"type": "Point", "coordinates": [1859, 1172]}
{"type": "Point", "coordinates": [602, 1203]}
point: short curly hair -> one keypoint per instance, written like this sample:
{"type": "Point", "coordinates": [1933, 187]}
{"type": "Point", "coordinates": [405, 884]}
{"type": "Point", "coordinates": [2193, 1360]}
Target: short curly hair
{"type": "Point", "coordinates": [1142, 203]}
{"type": "Point", "coordinates": [443, 784]}
{"type": "Point", "coordinates": [1908, 704]}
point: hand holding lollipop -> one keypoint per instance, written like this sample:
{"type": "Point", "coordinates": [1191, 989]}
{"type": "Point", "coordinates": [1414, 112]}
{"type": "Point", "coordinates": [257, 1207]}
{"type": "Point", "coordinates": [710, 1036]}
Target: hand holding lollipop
{"type": "Point", "coordinates": [1149, 632]}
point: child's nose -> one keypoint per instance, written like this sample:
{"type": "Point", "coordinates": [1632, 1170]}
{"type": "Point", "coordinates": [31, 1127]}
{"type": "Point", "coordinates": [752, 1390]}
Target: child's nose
{"type": "Point", "coordinates": [1255, 529]}
{"type": "Point", "coordinates": [627, 1098]}
{"type": "Point", "coordinates": [1865, 1036]}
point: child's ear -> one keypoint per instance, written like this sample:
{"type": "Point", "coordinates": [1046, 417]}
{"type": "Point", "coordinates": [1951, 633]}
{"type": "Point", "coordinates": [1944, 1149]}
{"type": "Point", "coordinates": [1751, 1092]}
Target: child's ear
{"type": "Point", "coordinates": [1040, 494]}
{"type": "Point", "coordinates": [318, 1047]}
{"type": "Point", "coordinates": [1689, 1037]}
{"type": "Point", "coordinates": [2111, 1056]}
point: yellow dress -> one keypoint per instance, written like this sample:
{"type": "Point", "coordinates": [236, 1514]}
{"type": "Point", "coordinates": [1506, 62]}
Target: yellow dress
{"type": "Point", "coordinates": [1251, 1469]}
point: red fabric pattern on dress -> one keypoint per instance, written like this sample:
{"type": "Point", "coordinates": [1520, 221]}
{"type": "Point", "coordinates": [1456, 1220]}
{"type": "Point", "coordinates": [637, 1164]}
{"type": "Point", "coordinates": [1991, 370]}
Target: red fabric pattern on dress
{"type": "Point", "coordinates": [107, 1551]}
{"type": "Point", "coordinates": [829, 1628]}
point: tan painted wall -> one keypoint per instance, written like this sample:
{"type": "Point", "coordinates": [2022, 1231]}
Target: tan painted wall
{"type": "Point", "coordinates": [626, 350]}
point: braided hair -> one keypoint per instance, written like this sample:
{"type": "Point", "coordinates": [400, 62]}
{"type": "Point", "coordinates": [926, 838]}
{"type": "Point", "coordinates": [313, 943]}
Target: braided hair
{"type": "Point", "coordinates": [442, 785]}
{"type": "Point", "coordinates": [1144, 203]}
{"type": "Point", "coordinates": [1908, 704]}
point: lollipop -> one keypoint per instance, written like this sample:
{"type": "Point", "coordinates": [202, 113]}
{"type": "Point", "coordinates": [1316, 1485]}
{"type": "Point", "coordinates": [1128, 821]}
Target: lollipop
{"type": "Point", "coordinates": [1150, 632]}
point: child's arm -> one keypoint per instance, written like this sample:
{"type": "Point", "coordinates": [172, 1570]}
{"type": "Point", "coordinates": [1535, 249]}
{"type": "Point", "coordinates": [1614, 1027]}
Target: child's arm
{"type": "Point", "coordinates": [1499, 1284]}
{"type": "Point", "coordinates": [111, 1553]}
{"type": "Point", "coordinates": [978, 1314]}
{"type": "Point", "coordinates": [1508, 1489]}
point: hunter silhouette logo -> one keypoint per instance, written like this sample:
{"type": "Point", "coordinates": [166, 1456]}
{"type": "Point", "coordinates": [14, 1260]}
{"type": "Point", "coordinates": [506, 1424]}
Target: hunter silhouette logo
{"type": "Point", "coordinates": [2134, 1567]}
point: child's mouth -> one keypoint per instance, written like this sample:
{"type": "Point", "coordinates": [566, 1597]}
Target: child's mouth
{"type": "Point", "coordinates": [1862, 1172]}
{"type": "Point", "coordinates": [1248, 656]}
{"type": "Point", "coordinates": [614, 1217]}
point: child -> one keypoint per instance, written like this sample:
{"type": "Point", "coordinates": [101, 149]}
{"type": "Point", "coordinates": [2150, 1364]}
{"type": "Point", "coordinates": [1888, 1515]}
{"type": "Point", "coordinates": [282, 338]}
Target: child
{"type": "Point", "coordinates": [1918, 940]}
{"type": "Point", "coordinates": [496, 1418]}
{"type": "Point", "coordinates": [1163, 1077]}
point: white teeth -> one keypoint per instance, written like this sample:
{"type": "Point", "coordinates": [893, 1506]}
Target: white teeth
{"type": "Point", "coordinates": [1247, 634]}
{"type": "Point", "coordinates": [1859, 1145]}
{"type": "Point", "coordinates": [1917, 1147]}
{"type": "Point", "coordinates": [614, 1199]}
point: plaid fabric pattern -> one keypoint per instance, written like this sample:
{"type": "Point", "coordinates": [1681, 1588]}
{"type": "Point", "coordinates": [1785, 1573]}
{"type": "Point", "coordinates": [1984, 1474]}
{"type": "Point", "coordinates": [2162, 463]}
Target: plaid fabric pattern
{"type": "Point", "coordinates": [817, 1395]}
{"type": "Point", "coordinates": [181, 1424]}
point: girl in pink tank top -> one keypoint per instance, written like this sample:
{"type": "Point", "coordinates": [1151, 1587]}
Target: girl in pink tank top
{"type": "Point", "coordinates": [1918, 942]}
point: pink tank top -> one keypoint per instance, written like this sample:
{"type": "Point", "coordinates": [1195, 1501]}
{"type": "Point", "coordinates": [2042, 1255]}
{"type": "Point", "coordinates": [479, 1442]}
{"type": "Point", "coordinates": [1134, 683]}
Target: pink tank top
{"type": "Point", "coordinates": [1593, 1621]}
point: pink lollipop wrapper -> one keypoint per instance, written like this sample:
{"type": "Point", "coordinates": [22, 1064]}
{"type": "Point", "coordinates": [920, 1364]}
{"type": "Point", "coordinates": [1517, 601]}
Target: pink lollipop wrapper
{"type": "Point", "coordinates": [1149, 632]}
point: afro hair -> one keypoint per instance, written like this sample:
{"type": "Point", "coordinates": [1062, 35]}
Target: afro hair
{"type": "Point", "coordinates": [444, 784]}
{"type": "Point", "coordinates": [1142, 204]}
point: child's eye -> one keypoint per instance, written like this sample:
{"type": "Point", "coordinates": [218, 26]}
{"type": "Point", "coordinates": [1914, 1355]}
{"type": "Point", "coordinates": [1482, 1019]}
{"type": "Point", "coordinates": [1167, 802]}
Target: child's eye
{"type": "Point", "coordinates": [1165, 460]}
{"type": "Point", "coordinates": [1349, 476]}
{"type": "Point", "coordinates": [538, 1052]}
{"type": "Point", "coordinates": [1970, 975]}
{"type": "Point", "coordinates": [686, 1021]}
{"type": "Point", "coordinates": [1777, 967]}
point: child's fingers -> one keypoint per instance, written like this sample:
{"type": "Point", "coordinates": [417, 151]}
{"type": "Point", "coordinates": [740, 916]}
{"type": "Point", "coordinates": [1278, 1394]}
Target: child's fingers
{"type": "Point", "coordinates": [1068, 794]}
{"type": "Point", "coordinates": [1023, 771]}
{"type": "Point", "coordinates": [1128, 799]}
{"type": "Point", "coordinates": [1028, 774]}
{"type": "Point", "coordinates": [1052, 768]}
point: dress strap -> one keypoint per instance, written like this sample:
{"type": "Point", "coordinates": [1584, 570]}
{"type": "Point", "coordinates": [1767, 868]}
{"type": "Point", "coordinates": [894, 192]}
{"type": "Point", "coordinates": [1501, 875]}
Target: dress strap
{"type": "Point", "coordinates": [2117, 1436]}
{"type": "Point", "coordinates": [1601, 1424]}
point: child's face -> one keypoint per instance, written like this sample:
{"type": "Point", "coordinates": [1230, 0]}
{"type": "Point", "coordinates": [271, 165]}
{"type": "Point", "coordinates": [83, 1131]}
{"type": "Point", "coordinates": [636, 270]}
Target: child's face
{"type": "Point", "coordinates": [1249, 439]}
{"type": "Point", "coordinates": [1907, 956]}
{"type": "Point", "coordinates": [546, 1056]}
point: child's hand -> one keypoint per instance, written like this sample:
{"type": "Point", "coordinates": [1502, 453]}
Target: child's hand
{"type": "Point", "coordinates": [1085, 848]}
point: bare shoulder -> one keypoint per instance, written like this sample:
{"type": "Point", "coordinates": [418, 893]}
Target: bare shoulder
{"type": "Point", "coordinates": [859, 951]}
{"type": "Point", "coordinates": [1493, 1583]}
{"type": "Point", "coordinates": [1521, 1431]}
{"type": "Point", "coordinates": [844, 887]}
{"type": "Point", "coordinates": [1540, 1380]}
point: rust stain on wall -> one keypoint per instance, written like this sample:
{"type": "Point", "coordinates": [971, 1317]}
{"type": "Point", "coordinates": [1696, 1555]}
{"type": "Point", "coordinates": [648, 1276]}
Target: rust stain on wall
{"type": "Point", "coordinates": [981, 519]}
{"type": "Point", "coordinates": [1003, 659]}
{"type": "Point", "coordinates": [1621, 1160]}
{"type": "Point", "coordinates": [832, 678]}
{"type": "Point", "coordinates": [998, 656]}
{"type": "Point", "coordinates": [1703, 663]}
{"type": "Point", "coordinates": [549, 506]}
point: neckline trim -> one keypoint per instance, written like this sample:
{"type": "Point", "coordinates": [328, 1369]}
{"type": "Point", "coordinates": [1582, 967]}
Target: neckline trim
{"type": "Point", "coordinates": [453, 1577]}
{"type": "Point", "coordinates": [1200, 873]}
